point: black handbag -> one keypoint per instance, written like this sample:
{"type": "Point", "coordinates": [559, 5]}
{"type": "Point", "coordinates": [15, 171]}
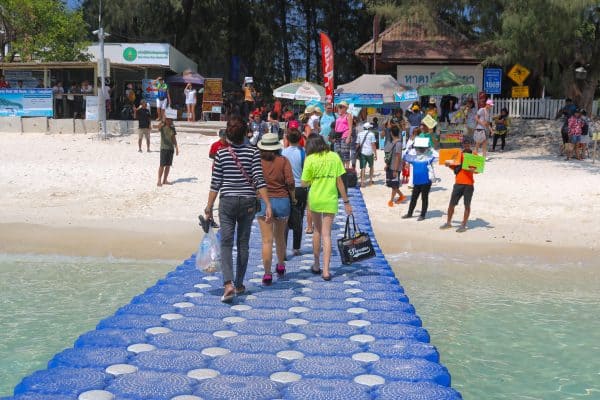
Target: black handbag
{"type": "Point", "coordinates": [354, 246]}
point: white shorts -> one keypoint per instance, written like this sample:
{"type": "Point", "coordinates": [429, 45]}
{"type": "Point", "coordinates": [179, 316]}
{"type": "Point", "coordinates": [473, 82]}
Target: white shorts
{"type": "Point", "coordinates": [161, 104]}
{"type": "Point", "coordinates": [480, 136]}
{"type": "Point", "coordinates": [190, 102]}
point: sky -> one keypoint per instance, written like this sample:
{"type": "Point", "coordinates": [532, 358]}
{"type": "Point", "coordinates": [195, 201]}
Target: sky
{"type": "Point", "coordinates": [73, 3]}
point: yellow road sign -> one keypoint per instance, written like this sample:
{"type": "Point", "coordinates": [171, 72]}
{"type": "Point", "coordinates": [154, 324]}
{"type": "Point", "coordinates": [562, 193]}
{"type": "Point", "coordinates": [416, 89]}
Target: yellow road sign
{"type": "Point", "coordinates": [518, 74]}
{"type": "Point", "coordinates": [520, 91]}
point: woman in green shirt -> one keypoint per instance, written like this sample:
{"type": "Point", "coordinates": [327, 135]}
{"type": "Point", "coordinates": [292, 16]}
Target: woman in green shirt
{"type": "Point", "coordinates": [322, 172]}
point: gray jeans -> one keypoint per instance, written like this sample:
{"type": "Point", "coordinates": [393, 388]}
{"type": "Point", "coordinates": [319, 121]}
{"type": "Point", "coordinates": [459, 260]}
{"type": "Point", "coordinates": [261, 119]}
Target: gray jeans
{"type": "Point", "coordinates": [232, 211]}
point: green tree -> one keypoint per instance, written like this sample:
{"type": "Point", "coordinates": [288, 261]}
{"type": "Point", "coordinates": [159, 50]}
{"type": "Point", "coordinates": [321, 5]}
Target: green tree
{"type": "Point", "coordinates": [42, 30]}
{"type": "Point", "coordinates": [554, 38]}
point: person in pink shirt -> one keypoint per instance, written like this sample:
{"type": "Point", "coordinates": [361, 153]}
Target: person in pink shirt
{"type": "Point", "coordinates": [575, 125]}
{"type": "Point", "coordinates": [343, 133]}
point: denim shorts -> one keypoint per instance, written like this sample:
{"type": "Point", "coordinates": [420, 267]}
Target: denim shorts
{"type": "Point", "coordinates": [575, 139]}
{"type": "Point", "coordinates": [279, 205]}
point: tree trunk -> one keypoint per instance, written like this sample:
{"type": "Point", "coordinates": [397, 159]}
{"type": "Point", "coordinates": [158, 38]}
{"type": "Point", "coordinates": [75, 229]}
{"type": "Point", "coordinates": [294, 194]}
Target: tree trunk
{"type": "Point", "coordinates": [287, 67]}
{"type": "Point", "coordinates": [307, 17]}
{"type": "Point", "coordinates": [315, 36]}
{"type": "Point", "coordinates": [582, 91]}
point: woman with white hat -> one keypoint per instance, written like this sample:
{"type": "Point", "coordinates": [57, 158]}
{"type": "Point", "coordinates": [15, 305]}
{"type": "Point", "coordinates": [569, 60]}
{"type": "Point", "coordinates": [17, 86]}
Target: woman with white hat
{"type": "Point", "coordinates": [279, 177]}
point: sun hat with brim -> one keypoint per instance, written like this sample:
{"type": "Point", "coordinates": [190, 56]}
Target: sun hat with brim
{"type": "Point", "coordinates": [269, 142]}
{"type": "Point", "coordinates": [318, 111]}
{"type": "Point", "coordinates": [343, 104]}
{"type": "Point", "coordinates": [309, 110]}
{"type": "Point", "coordinates": [431, 100]}
{"type": "Point", "coordinates": [367, 125]}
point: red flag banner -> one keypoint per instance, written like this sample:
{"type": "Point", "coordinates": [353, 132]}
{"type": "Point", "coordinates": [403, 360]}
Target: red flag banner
{"type": "Point", "coordinates": [327, 63]}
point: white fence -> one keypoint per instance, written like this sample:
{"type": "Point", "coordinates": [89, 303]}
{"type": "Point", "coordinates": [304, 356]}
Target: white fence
{"type": "Point", "coordinates": [535, 108]}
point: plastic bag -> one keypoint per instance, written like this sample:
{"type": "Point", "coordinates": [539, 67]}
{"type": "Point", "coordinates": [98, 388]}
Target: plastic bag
{"type": "Point", "coordinates": [208, 258]}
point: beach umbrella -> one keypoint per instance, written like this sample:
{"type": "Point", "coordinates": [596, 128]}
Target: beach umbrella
{"type": "Point", "coordinates": [446, 82]}
{"type": "Point", "coordinates": [300, 91]}
{"type": "Point", "coordinates": [186, 77]}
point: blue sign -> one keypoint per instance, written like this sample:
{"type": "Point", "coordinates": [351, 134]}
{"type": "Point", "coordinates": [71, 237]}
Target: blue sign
{"type": "Point", "coordinates": [492, 80]}
{"type": "Point", "coordinates": [26, 103]}
{"type": "Point", "coordinates": [360, 99]}
{"type": "Point", "coordinates": [407, 95]}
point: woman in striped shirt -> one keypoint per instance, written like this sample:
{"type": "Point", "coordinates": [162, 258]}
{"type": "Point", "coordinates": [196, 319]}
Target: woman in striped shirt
{"type": "Point", "coordinates": [237, 176]}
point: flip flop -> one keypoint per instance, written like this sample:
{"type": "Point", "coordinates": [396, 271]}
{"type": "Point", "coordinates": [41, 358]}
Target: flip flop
{"type": "Point", "coordinates": [204, 223]}
{"type": "Point", "coordinates": [326, 278]}
{"type": "Point", "coordinates": [316, 271]}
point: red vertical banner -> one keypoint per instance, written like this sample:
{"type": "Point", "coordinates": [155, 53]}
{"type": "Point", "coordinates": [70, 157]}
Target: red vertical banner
{"type": "Point", "coordinates": [327, 63]}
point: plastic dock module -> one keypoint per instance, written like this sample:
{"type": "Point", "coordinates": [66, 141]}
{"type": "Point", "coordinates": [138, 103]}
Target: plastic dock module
{"type": "Point", "coordinates": [354, 337]}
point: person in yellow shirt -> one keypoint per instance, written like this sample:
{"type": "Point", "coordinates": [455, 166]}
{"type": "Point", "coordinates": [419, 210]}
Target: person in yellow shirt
{"type": "Point", "coordinates": [322, 171]}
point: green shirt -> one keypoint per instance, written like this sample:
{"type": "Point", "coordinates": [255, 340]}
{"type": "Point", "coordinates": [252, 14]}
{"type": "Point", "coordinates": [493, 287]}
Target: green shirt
{"type": "Point", "coordinates": [167, 134]}
{"type": "Point", "coordinates": [321, 171]}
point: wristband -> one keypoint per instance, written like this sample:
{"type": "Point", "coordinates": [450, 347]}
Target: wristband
{"type": "Point", "coordinates": [346, 201]}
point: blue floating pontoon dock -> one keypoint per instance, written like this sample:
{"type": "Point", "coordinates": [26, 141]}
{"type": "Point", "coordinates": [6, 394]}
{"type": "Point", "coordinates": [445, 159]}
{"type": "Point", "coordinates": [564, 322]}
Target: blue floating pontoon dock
{"type": "Point", "coordinates": [353, 338]}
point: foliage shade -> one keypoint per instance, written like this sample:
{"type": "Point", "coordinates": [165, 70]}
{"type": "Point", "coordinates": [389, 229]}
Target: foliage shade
{"type": "Point", "coordinates": [42, 30]}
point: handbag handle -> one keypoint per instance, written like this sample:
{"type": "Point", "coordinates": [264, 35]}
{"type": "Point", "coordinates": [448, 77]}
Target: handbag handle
{"type": "Point", "coordinates": [347, 228]}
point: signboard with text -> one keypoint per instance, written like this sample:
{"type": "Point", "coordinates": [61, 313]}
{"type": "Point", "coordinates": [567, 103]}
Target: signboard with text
{"type": "Point", "coordinates": [359, 98]}
{"type": "Point", "coordinates": [91, 108]}
{"type": "Point", "coordinates": [26, 103]}
{"type": "Point", "coordinates": [492, 80]}
{"type": "Point", "coordinates": [520, 91]}
{"type": "Point", "coordinates": [417, 75]}
{"type": "Point", "coordinates": [213, 94]}
{"type": "Point", "coordinates": [473, 162]}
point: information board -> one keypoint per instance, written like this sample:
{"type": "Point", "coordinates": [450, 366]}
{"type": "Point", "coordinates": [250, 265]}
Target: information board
{"type": "Point", "coordinates": [213, 94]}
{"type": "Point", "coordinates": [520, 91]}
{"type": "Point", "coordinates": [492, 80]}
{"type": "Point", "coordinates": [91, 108]}
{"type": "Point", "coordinates": [26, 103]}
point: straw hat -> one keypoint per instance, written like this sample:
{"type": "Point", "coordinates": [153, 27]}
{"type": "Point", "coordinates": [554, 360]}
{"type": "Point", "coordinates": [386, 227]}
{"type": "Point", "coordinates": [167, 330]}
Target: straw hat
{"type": "Point", "coordinates": [432, 100]}
{"type": "Point", "coordinates": [309, 110]}
{"type": "Point", "coordinates": [269, 142]}
{"type": "Point", "coordinates": [318, 110]}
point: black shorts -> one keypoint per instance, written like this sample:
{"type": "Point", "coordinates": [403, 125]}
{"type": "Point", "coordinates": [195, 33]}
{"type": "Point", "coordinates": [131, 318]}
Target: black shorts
{"type": "Point", "coordinates": [392, 182]}
{"type": "Point", "coordinates": [462, 190]}
{"type": "Point", "coordinates": [166, 157]}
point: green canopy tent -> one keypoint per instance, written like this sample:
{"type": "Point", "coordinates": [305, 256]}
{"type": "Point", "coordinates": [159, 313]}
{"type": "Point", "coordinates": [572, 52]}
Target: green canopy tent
{"type": "Point", "coordinates": [446, 82]}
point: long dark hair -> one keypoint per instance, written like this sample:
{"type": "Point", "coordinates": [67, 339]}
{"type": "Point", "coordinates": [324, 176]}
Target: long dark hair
{"type": "Point", "coordinates": [236, 129]}
{"type": "Point", "coordinates": [316, 144]}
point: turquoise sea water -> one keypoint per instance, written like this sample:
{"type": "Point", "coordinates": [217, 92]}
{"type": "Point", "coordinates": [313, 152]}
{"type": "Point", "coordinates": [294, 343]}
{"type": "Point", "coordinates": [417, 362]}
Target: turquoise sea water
{"type": "Point", "coordinates": [46, 302]}
{"type": "Point", "coordinates": [513, 329]}
{"type": "Point", "coordinates": [507, 329]}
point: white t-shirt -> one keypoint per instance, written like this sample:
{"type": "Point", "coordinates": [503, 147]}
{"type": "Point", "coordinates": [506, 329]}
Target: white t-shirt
{"type": "Point", "coordinates": [484, 115]}
{"type": "Point", "coordinates": [367, 146]}
{"type": "Point", "coordinates": [58, 92]}
{"type": "Point", "coordinates": [313, 121]}
{"type": "Point", "coordinates": [190, 96]}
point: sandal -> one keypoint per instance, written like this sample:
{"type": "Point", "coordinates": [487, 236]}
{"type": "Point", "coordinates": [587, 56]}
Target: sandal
{"type": "Point", "coordinates": [326, 277]}
{"type": "Point", "coordinates": [240, 289]}
{"type": "Point", "coordinates": [280, 269]}
{"type": "Point", "coordinates": [461, 229]}
{"type": "Point", "coordinates": [315, 271]}
{"type": "Point", "coordinates": [267, 279]}
{"type": "Point", "coordinates": [446, 226]}
{"type": "Point", "coordinates": [228, 295]}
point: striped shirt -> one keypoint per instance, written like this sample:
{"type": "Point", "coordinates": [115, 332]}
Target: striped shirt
{"type": "Point", "coordinates": [227, 177]}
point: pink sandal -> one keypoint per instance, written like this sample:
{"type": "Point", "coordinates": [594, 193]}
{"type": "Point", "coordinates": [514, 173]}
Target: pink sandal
{"type": "Point", "coordinates": [280, 269]}
{"type": "Point", "coordinates": [267, 279]}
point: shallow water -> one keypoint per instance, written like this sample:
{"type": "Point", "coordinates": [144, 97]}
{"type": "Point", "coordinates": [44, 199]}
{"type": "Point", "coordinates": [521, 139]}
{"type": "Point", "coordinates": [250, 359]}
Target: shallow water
{"type": "Point", "coordinates": [46, 302]}
{"type": "Point", "coordinates": [514, 329]}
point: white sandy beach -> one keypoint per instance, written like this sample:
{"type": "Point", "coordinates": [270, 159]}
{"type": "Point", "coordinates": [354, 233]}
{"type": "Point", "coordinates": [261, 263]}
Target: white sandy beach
{"type": "Point", "coordinates": [75, 194]}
